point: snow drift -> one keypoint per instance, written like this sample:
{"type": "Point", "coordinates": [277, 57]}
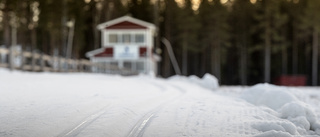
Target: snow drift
{"type": "Point", "coordinates": [208, 81]}
{"type": "Point", "coordinates": [286, 106]}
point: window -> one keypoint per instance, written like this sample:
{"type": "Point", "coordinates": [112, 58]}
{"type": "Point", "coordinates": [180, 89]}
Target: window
{"type": "Point", "coordinates": [127, 65]}
{"type": "Point", "coordinates": [139, 38]}
{"type": "Point", "coordinates": [140, 66]}
{"type": "Point", "coordinates": [126, 38]}
{"type": "Point", "coordinates": [115, 64]}
{"type": "Point", "coordinates": [113, 38]}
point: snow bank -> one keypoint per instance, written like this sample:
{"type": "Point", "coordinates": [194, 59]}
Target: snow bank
{"type": "Point", "coordinates": [273, 133]}
{"type": "Point", "coordinates": [208, 81]}
{"type": "Point", "coordinates": [272, 129]}
{"type": "Point", "coordinates": [268, 95]}
{"type": "Point", "coordinates": [288, 107]}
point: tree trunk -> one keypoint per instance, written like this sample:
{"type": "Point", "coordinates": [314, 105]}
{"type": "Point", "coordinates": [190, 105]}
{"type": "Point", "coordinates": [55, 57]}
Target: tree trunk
{"type": "Point", "coordinates": [185, 59]}
{"type": "Point", "coordinates": [243, 65]}
{"type": "Point", "coordinates": [212, 59]}
{"type": "Point", "coordinates": [45, 46]}
{"type": "Point", "coordinates": [6, 32]}
{"type": "Point", "coordinates": [267, 53]}
{"type": "Point", "coordinates": [166, 68]}
{"type": "Point", "coordinates": [284, 60]}
{"type": "Point", "coordinates": [13, 45]}
{"type": "Point", "coordinates": [64, 27]}
{"type": "Point", "coordinates": [166, 64]}
{"type": "Point", "coordinates": [216, 60]}
{"type": "Point", "coordinates": [96, 37]}
{"type": "Point", "coordinates": [110, 7]}
{"type": "Point", "coordinates": [315, 58]}
{"type": "Point", "coordinates": [33, 39]}
{"type": "Point", "coordinates": [203, 62]}
{"type": "Point", "coordinates": [156, 23]}
{"type": "Point", "coordinates": [195, 63]}
{"type": "Point", "coordinates": [53, 49]}
{"type": "Point", "coordinates": [6, 27]}
{"type": "Point", "coordinates": [243, 60]}
{"type": "Point", "coordinates": [294, 54]}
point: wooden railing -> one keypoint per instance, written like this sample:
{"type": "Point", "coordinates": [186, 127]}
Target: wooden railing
{"type": "Point", "coordinates": [32, 61]}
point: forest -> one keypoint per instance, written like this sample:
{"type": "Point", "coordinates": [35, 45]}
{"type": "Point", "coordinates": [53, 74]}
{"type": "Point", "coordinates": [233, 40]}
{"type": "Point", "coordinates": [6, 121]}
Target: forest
{"type": "Point", "coordinates": [241, 42]}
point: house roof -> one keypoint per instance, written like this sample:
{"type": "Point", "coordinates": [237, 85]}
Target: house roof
{"type": "Point", "coordinates": [126, 19]}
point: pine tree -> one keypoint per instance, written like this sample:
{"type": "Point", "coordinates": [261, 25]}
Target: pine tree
{"type": "Point", "coordinates": [241, 20]}
{"type": "Point", "coordinates": [271, 22]}
{"type": "Point", "coordinates": [51, 26]}
{"type": "Point", "coordinates": [9, 10]}
{"type": "Point", "coordinates": [294, 11]}
{"type": "Point", "coordinates": [170, 33]}
{"type": "Point", "coordinates": [311, 21]}
{"type": "Point", "coordinates": [187, 26]}
{"type": "Point", "coordinates": [214, 32]}
{"type": "Point", "coordinates": [112, 9]}
{"type": "Point", "coordinates": [141, 9]}
{"type": "Point", "coordinates": [205, 34]}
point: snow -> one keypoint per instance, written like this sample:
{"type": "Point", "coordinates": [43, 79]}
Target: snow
{"type": "Point", "coordinates": [282, 100]}
{"type": "Point", "coordinates": [207, 81]}
{"type": "Point", "coordinates": [79, 104]}
{"type": "Point", "coordinates": [271, 96]}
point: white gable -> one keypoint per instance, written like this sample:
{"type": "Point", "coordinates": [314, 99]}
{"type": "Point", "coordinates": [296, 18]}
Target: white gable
{"type": "Point", "coordinates": [129, 19]}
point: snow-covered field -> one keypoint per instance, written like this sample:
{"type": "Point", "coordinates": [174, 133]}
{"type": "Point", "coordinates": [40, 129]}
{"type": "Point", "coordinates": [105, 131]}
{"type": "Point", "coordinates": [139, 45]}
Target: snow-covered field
{"type": "Point", "coordinates": [96, 105]}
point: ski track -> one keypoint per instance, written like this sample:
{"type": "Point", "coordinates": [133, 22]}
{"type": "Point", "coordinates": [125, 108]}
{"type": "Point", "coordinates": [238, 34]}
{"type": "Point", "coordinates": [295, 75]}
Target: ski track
{"type": "Point", "coordinates": [133, 117]}
{"type": "Point", "coordinates": [140, 127]}
{"type": "Point", "coordinates": [132, 107]}
{"type": "Point", "coordinates": [189, 121]}
{"type": "Point", "coordinates": [77, 129]}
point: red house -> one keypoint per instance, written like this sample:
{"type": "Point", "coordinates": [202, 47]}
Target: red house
{"type": "Point", "coordinates": [126, 43]}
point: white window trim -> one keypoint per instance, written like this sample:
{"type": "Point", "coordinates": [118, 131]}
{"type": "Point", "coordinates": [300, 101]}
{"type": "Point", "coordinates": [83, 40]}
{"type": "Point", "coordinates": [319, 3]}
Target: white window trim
{"type": "Point", "coordinates": [121, 32]}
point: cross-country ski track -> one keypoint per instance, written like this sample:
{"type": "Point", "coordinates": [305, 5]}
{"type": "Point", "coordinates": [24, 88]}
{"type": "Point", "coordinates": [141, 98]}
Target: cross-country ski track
{"type": "Point", "coordinates": [82, 105]}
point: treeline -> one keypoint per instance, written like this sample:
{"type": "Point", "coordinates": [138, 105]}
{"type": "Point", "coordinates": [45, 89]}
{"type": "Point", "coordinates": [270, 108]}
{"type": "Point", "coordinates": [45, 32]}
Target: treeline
{"type": "Point", "coordinates": [238, 41]}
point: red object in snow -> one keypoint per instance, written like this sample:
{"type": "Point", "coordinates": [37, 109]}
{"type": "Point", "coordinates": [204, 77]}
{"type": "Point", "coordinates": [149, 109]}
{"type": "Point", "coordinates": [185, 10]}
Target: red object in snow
{"type": "Point", "coordinates": [291, 80]}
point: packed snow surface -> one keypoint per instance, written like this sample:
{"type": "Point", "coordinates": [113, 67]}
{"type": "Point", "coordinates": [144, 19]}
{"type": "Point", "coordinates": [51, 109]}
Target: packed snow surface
{"type": "Point", "coordinates": [82, 105]}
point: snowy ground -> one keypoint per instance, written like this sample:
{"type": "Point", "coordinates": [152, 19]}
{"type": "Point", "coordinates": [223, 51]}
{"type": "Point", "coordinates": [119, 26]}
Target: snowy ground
{"type": "Point", "coordinates": [65, 105]}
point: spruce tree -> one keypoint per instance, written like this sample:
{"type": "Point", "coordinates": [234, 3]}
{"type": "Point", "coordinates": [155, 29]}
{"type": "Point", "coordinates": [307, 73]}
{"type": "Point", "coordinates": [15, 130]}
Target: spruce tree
{"type": "Point", "coordinates": [311, 21]}
{"type": "Point", "coordinates": [214, 32]}
{"type": "Point", "coordinates": [141, 9]}
{"type": "Point", "coordinates": [112, 9]}
{"type": "Point", "coordinates": [169, 32]}
{"type": "Point", "coordinates": [50, 23]}
{"type": "Point", "coordinates": [187, 26]}
{"type": "Point", "coordinates": [241, 20]}
{"type": "Point", "coordinates": [270, 24]}
{"type": "Point", "coordinates": [294, 11]}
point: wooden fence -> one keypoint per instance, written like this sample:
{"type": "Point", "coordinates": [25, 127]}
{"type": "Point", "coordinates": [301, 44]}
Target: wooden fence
{"type": "Point", "coordinates": [37, 62]}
